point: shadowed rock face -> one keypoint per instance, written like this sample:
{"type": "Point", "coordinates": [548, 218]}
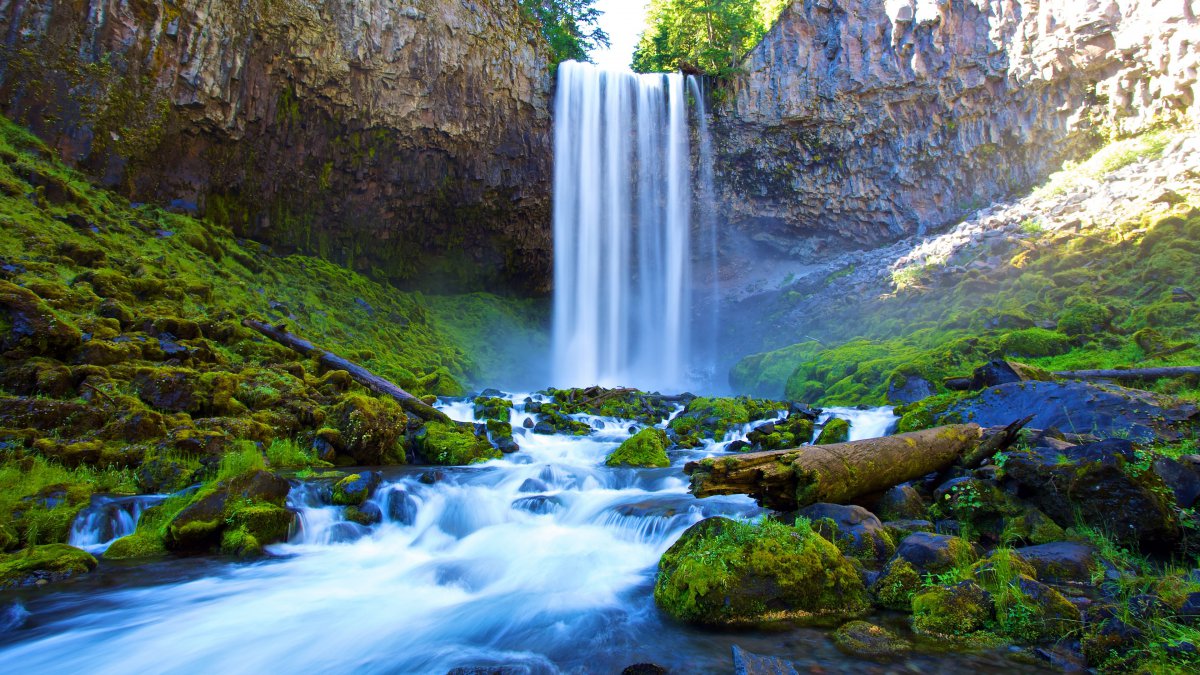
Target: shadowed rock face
{"type": "Point", "coordinates": [861, 121]}
{"type": "Point", "coordinates": [407, 137]}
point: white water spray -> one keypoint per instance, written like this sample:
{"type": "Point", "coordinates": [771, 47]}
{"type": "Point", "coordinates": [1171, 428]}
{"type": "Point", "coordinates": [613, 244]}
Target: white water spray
{"type": "Point", "coordinates": [623, 226]}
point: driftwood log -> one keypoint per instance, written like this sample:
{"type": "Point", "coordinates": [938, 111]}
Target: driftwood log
{"type": "Point", "coordinates": [785, 480]}
{"type": "Point", "coordinates": [361, 375]}
{"type": "Point", "coordinates": [1130, 373]}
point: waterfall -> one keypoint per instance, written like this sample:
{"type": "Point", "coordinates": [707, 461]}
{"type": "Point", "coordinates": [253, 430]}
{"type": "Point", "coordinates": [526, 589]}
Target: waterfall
{"type": "Point", "coordinates": [623, 230]}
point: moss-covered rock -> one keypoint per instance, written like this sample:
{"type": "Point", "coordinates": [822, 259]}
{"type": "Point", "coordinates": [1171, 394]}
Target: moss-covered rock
{"type": "Point", "coordinates": [646, 448]}
{"type": "Point", "coordinates": [43, 564]}
{"type": "Point", "coordinates": [792, 432]}
{"type": "Point", "coordinates": [955, 610]}
{"type": "Point", "coordinates": [895, 586]}
{"type": "Point", "coordinates": [864, 639]}
{"type": "Point", "coordinates": [30, 327]}
{"type": "Point", "coordinates": [453, 444]}
{"type": "Point", "coordinates": [713, 418]}
{"type": "Point", "coordinates": [372, 429]}
{"type": "Point", "coordinates": [492, 408]}
{"type": "Point", "coordinates": [355, 489]}
{"type": "Point", "coordinates": [727, 572]}
{"type": "Point", "coordinates": [836, 430]}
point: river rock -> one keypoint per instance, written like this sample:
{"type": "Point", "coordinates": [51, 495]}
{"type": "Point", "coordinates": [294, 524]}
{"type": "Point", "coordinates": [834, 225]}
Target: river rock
{"type": "Point", "coordinates": [861, 638]}
{"type": "Point", "coordinates": [749, 663]}
{"type": "Point", "coordinates": [1108, 411]}
{"type": "Point", "coordinates": [1061, 561]}
{"type": "Point", "coordinates": [856, 530]}
{"type": "Point", "coordinates": [38, 565]}
{"type": "Point", "coordinates": [901, 502]}
{"type": "Point", "coordinates": [934, 553]}
{"type": "Point", "coordinates": [1097, 482]}
{"type": "Point", "coordinates": [356, 488]}
{"type": "Point", "coordinates": [1181, 478]}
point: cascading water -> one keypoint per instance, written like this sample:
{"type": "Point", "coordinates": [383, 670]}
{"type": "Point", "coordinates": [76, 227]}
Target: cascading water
{"type": "Point", "coordinates": [107, 519]}
{"type": "Point", "coordinates": [623, 231]}
{"type": "Point", "coordinates": [542, 562]}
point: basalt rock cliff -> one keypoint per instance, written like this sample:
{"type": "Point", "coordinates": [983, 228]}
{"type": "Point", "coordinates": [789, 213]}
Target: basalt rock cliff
{"type": "Point", "coordinates": [855, 122]}
{"type": "Point", "coordinates": [410, 139]}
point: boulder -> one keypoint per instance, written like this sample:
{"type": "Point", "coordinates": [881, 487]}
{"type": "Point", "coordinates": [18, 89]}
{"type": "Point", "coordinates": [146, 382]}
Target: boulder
{"type": "Point", "coordinates": [901, 502]}
{"type": "Point", "coordinates": [1102, 484]}
{"type": "Point", "coordinates": [1183, 480]}
{"type": "Point", "coordinates": [934, 553]}
{"type": "Point", "coordinates": [860, 638]}
{"type": "Point", "coordinates": [1062, 561]}
{"type": "Point", "coordinates": [894, 587]}
{"type": "Point", "coordinates": [1107, 411]}
{"type": "Point", "coordinates": [646, 448]}
{"type": "Point", "coordinates": [951, 610]}
{"type": "Point", "coordinates": [33, 329]}
{"type": "Point", "coordinates": [727, 572]}
{"type": "Point", "coordinates": [749, 663]}
{"type": "Point", "coordinates": [371, 429]}
{"type": "Point", "coordinates": [836, 430]}
{"type": "Point", "coordinates": [910, 389]}
{"type": "Point", "coordinates": [356, 488]}
{"type": "Point", "coordinates": [39, 565]}
{"type": "Point", "coordinates": [856, 531]}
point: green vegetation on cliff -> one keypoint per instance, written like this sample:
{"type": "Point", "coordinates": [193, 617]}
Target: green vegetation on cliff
{"type": "Point", "coordinates": [1101, 297]}
{"type": "Point", "coordinates": [569, 26]}
{"type": "Point", "coordinates": [124, 366]}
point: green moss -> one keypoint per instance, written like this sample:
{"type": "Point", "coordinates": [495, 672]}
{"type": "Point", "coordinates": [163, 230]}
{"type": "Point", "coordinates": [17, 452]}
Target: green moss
{"type": "Point", "coordinates": [50, 562]}
{"type": "Point", "coordinates": [1033, 342]}
{"type": "Point", "coordinates": [646, 448]}
{"type": "Point", "coordinates": [836, 430]}
{"type": "Point", "coordinates": [951, 610]}
{"type": "Point", "coordinates": [723, 572]}
{"type": "Point", "coordinates": [492, 408]}
{"type": "Point", "coordinates": [895, 586]}
{"type": "Point", "coordinates": [713, 418]}
{"type": "Point", "coordinates": [451, 444]}
{"type": "Point", "coordinates": [860, 638]}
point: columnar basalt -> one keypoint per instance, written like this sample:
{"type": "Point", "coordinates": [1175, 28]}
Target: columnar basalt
{"type": "Point", "coordinates": [860, 121]}
{"type": "Point", "coordinates": [406, 138]}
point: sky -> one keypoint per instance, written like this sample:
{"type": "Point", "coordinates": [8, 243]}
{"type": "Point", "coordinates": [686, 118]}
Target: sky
{"type": "Point", "coordinates": [624, 21]}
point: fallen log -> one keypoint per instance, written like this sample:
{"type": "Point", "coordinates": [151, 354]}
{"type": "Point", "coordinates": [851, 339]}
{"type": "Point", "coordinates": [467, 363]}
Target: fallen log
{"type": "Point", "coordinates": [357, 373]}
{"type": "Point", "coordinates": [785, 480]}
{"type": "Point", "coordinates": [1130, 373]}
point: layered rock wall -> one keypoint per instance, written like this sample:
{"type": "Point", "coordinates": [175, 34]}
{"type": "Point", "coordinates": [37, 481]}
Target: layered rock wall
{"type": "Point", "coordinates": [409, 138]}
{"type": "Point", "coordinates": [859, 121]}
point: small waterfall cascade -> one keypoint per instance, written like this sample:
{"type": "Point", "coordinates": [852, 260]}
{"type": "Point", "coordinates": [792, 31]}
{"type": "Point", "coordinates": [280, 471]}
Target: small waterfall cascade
{"type": "Point", "coordinates": [108, 518]}
{"type": "Point", "coordinates": [625, 240]}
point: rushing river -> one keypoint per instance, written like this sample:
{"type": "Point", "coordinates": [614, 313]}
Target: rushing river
{"type": "Point", "coordinates": [542, 561]}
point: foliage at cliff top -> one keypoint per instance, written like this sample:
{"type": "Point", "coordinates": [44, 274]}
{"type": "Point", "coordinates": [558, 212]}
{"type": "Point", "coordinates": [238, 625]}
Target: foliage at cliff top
{"type": "Point", "coordinates": [569, 27]}
{"type": "Point", "coordinates": [1102, 297]}
{"type": "Point", "coordinates": [705, 36]}
{"type": "Point", "coordinates": [124, 365]}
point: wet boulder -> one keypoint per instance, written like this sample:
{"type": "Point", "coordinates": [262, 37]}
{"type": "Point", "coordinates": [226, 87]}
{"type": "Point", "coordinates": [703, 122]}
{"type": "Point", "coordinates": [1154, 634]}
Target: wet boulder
{"type": "Point", "coordinates": [901, 502]}
{"type": "Point", "coordinates": [646, 448]}
{"type": "Point", "coordinates": [1105, 484]}
{"type": "Point", "coordinates": [198, 527]}
{"type": "Point", "coordinates": [371, 429]}
{"type": "Point", "coordinates": [501, 435]}
{"type": "Point", "coordinates": [792, 432]}
{"type": "Point", "coordinates": [451, 444]}
{"type": "Point", "coordinates": [38, 565]}
{"type": "Point", "coordinates": [836, 430]}
{"type": "Point", "coordinates": [539, 504]}
{"type": "Point", "coordinates": [909, 389]}
{"type": "Point", "coordinates": [951, 610]}
{"type": "Point", "coordinates": [356, 488]}
{"type": "Point", "coordinates": [749, 663]}
{"type": "Point", "coordinates": [1062, 561]}
{"type": "Point", "coordinates": [864, 639]}
{"type": "Point", "coordinates": [934, 553]}
{"type": "Point", "coordinates": [1108, 411]}
{"type": "Point", "coordinates": [492, 408]}
{"type": "Point", "coordinates": [1182, 479]}
{"type": "Point", "coordinates": [895, 585]}
{"type": "Point", "coordinates": [855, 530]}
{"type": "Point", "coordinates": [727, 572]}
{"type": "Point", "coordinates": [713, 418]}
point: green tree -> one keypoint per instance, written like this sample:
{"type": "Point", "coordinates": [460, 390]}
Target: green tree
{"type": "Point", "coordinates": [705, 36]}
{"type": "Point", "coordinates": [569, 26]}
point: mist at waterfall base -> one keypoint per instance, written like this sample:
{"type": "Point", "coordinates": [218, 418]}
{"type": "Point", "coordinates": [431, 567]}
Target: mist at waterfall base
{"type": "Point", "coordinates": [543, 561]}
{"type": "Point", "coordinates": [635, 238]}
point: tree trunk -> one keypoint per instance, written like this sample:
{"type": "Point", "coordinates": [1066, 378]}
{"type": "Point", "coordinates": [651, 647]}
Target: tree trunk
{"type": "Point", "coordinates": [1130, 374]}
{"type": "Point", "coordinates": [361, 375]}
{"type": "Point", "coordinates": [786, 480]}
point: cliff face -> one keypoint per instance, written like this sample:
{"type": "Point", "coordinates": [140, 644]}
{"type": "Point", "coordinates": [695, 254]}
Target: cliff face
{"type": "Point", "coordinates": [867, 120]}
{"type": "Point", "coordinates": [409, 138]}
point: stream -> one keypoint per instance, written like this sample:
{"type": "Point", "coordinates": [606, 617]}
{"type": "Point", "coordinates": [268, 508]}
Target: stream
{"type": "Point", "coordinates": [542, 561]}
